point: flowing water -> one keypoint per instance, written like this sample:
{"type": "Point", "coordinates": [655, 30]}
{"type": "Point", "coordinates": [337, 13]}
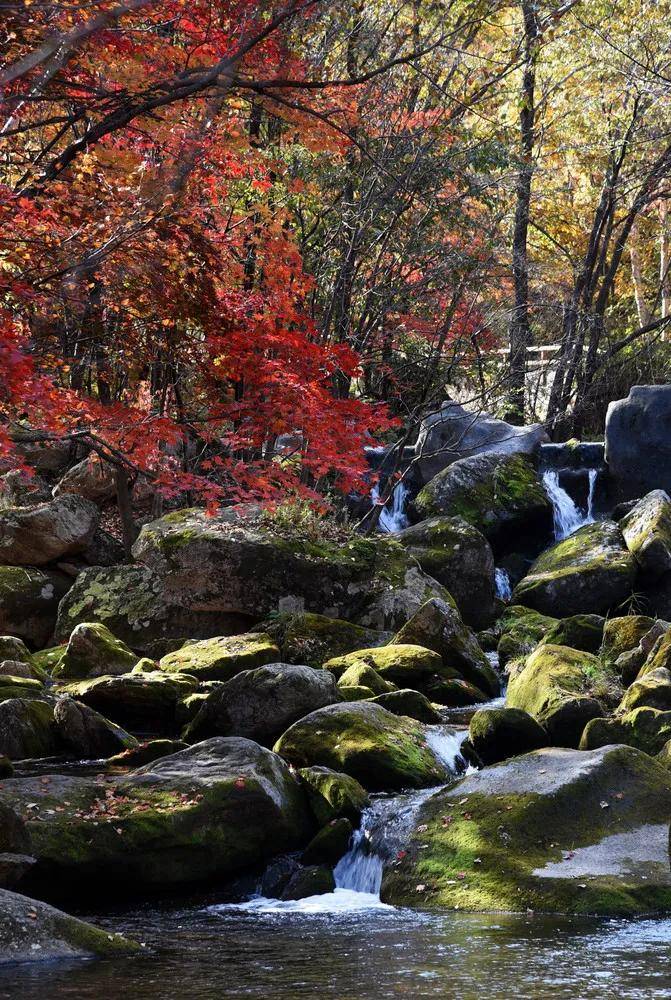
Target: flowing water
{"type": "Point", "coordinates": [393, 515]}
{"type": "Point", "coordinates": [504, 590]}
{"type": "Point", "coordinates": [568, 517]}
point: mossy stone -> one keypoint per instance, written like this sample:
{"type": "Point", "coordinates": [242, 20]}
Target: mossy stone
{"type": "Point", "coordinates": [332, 794]}
{"type": "Point", "coordinates": [402, 664]}
{"type": "Point", "coordinates": [583, 632]}
{"type": "Point", "coordinates": [306, 637]}
{"type": "Point", "coordinates": [622, 634]}
{"type": "Point", "coordinates": [521, 630]}
{"type": "Point", "coordinates": [361, 675]}
{"type": "Point", "coordinates": [411, 703]}
{"type": "Point", "coordinates": [646, 729]}
{"type": "Point", "coordinates": [315, 880]}
{"type": "Point", "coordinates": [355, 692]}
{"type": "Point", "coordinates": [499, 733]}
{"type": "Point", "coordinates": [647, 532]}
{"type": "Point", "coordinates": [92, 651]}
{"type": "Point", "coordinates": [27, 728]}
{"type": "Point", "coordinates": [329, 844]}
{"type": "Point", "coordinates": [223, 657]}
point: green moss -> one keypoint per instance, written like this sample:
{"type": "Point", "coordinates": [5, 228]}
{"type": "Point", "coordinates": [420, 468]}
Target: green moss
{"type": "Point", "coordinates": [365, 676]}
{"type": "Point", "coordinates": [332, 794]}
{"type": "Point", "coordinates": [521, 631]}
{"type": "Point", "coordinates": [312, 639]}
{"type": "Point", "coordinates": [403, 664]}
{"type": "Point", "coordinates": [221, 658]}
{"type": "Point", "coordinates": [623, 634]}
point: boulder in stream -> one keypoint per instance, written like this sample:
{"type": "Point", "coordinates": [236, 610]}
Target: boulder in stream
{"type": "Point", "coordinates": [27, 728]}
{"type": "Point", "coordinates": [559, 831]}
{"type": "Point", "coordinates": [87, 733]}
{"type": "Point", "coordinates": [498, 733]}
{"type": "Point", "coordinates": [222, 657]}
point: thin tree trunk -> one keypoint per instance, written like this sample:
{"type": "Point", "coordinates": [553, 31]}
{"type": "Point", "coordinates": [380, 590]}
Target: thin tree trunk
{"type": "Point", "coordinates": [520, 328]}
{"type": "Point", "coordinates": [664, 262]}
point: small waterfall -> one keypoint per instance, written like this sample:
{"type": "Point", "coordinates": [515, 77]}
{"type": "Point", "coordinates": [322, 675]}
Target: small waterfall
{"type": "Point", "coordinates": [504, 590]}
{"type": "Point", "coordinates": [392, 518]}
{"type": "Point", "coordinates": [567, 515]}
{"type": "Point", "coordinates": [360, 870]}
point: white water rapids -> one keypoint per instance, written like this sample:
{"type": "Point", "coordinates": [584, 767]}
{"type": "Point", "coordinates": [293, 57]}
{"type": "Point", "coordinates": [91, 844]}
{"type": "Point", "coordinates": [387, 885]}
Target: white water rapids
{"type": "Point", "coordinates": [392, 516]}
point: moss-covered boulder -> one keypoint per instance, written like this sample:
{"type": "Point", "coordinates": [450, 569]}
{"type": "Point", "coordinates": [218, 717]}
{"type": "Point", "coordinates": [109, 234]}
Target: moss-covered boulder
{"type": "Point", "coordinates": [29, 599]}
{"type": "Point", "coordinates": [454, 692]}
{"type": "Point", "coordinates": [652, 690]}
{"type": "Point", "coordinates": [659, 655]}
{"type": "Point", "coordinates": [620, 635]}
{"type": "Point", "coordinates": [332, 794]}
{"type": "Point", "coordinates": [411, 703]}
{"type": "Point", "coordinates": [261, 704]}
{"type": "Point", "coordinates": [499, 733]}
{"type": "Point", "coordinates": [521, 630]}
{"type": "Point", "coordinates": [355, 692]}
{"type": "Point", "coordinates": [223, 657]}
{"type": "Point", "coordinates": [33, 536]}
{"type": "Point", "coordinates": [92, 651]}
{"type": "Point", "coordinates": [646, 729]}
{"type": "Point", "coordinates": [362, 675]}
{"type": "Point", "coordinates": [15, 650]}
{"type": "Point", "coordinates": [19, 687]}
{"type": "Point", "coordinates": [381, 750]}
{"type": "Point", "coordinates": [146, 753]}
{"type": "Point", "coordinates": [438, 626]}
{"type": "Point", "coordinates": [46, 660]}
{"type": "Point", "coordinates": [559, 831]}
{"type": "Point", "coordinates": [497, 494]}
{"type": "Point", "coordinates": [329, 844]}
{"type": "Point", "coordinates": [32, 931]}
{"type": "Point", "coordinates": [401, 664]}
{"type": "Point", "coordinates": [647, 532]}
{"type": "Point", "coordinates": [652, 652]}
{"type": "Point", "coordinates": [457, 555]}
{"type": "Point", "coordinates": [240, 563]}
{"type": "Point", "coordinates": [583, 632]}
{"type": "Point", "coordinates": [591, 572]}
{"type": "Point", "coordinates": [558, 687]}
{"type": "Point", "coordinates": [304, 637]}
{"type": "Point", "coordinates": [87, 733]}
{"type": "Point", "coordinates": [27, 728]}
{"type": "Point", "coordinates": [206, 812]}
{"type": "Point", "coordinates": [146, 702]}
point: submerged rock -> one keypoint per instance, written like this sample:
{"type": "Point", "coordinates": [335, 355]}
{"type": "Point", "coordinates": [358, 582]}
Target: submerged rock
{"type": "Point", "coordinates": [32, 536]}
{"type": "Point", "coordinates": [223, 657]}
{"type": "Point", "coordinates": [591, 572]}
{"type": "Point", "coordinates": [496, 494]}
{"type": "Point", "coordinates": [31, 931]}
{"type": "Point", "coordinates": [457, 555]}
{"type": "Point", "coordinates": [381, 750]}
{"type": "Point", "coordinates": [261, 704]}
{"type": "Point", "coordinates": [209, 811]}
{"type": "Point", "coordinates": [560, 831]}
{"type": "Point", "coordinates": [499, 733]}
{"type": "Point", "coordinates": [557, 687]}
{"type": "Point", "coordinates": [92, 651]}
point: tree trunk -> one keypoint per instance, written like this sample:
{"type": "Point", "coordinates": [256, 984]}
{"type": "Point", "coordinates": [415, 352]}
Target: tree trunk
{"type": "Point", "coordinates": [520, 329]}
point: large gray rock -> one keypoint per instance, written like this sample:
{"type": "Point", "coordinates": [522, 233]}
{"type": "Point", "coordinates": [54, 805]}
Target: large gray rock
{"type": "Point", "coordinates": [31, 931]}
{"type": "Point", "coordinates": [91, 478]}
{"type": "Point", "coordinates": [455, 432]}
{"type": "Point", "coordinates": [556, 831]}
{"type": "Point", "coordinates": [239, 564]}
{"type": "Point", "coordinates": [647, 532]}
{"type": "Point", "coordinates": [497, 494]}
{"type": "Point", "coordinates": [29, 599]}
{"type": "Point", "coordinates": [591, 572]}
{"type": "Point", "coordinates": [457, 555]}
{"type": "Point", "coordinates": [638, 444]}
{"type": "Point", "coordinates": [261, 704]}
{"type": "Point", "coordinates": [146, 701]}
{"type": "Point", "coordinates": [206, 812]}
{"type": "Point", "coordinates": [33, 536]}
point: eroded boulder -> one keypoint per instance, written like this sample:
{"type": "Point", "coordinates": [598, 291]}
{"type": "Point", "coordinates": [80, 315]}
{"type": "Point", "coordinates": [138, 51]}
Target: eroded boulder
{"type": "Point", "coordinates": [33, 536]}
{"type": "Point", "coordinates": [221, 658]}
{"type": "Point", "coordinates": [92, 651]}
{"type": "Point", "coordinates": [647, 532]}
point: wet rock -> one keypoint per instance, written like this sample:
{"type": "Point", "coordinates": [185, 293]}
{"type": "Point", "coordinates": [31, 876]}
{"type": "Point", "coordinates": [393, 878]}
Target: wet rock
{"type": "Point", "coordinates": [638, 451]}
{"type": "Point", "coordinates": [223, 657]}
{"type": "Point", "coordinates": [647, 532]}
{"type": "Point", "coordinates": [146, 753]}
{"type": "Point", "coordinates": [438, 626]}
{"type": "Point", "coordinates": [496, 494]}
{"type": "Point", "coordinates": [92, 651]}
{"type": "Point", "coordinates": [499, 733]}
{"type": "Point", "coordinates": [31, 931]}
{"type": "Point", "coordinates": [29, 599]}
{"type": "Point", "coordinates": [313, 881]}
{"type": "Point", "coordinates": [210, 811]}
{"type": "Point", "coordinates": [33, 536]}
{"type": "Point", "coordinates": [559, 831]}
{"type": "Point", "coordinates": [411, 703]}
{"type": "Point", "coordinates": [27, 729]}
{"type": "Point", "coordinates": [591, 572]}
{"type": "Point", "coordinates": [381, 750]}
{"type": "Point", "coordinates": [557, 687]}
{"type": "Point", "coordinates": [453, 552]}
{"type": "Point", "coordinates": [620, 635]}
{"type": "Point", "coordinates": [307, 638]}
{"type": "Point", "coordinates": [87, 733]}
{"type": "Point", "coordinates": [646, 729]}
{"type": "Point", "coordinates": [261, 704]}
{"type": "Point", "coordinates": [652, 690]}
{"type": "Point", "coordinates": [329, 845]}
{"type": "Point", "coordinates": [332, 794]}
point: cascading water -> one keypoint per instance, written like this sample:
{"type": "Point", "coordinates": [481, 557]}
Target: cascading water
{"type": "Point", "coordinates": [504, 590]}
{"type": "Point", "coordinates": [567, 515]}
{"type": "Point", "coordinates": [392, 518]}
